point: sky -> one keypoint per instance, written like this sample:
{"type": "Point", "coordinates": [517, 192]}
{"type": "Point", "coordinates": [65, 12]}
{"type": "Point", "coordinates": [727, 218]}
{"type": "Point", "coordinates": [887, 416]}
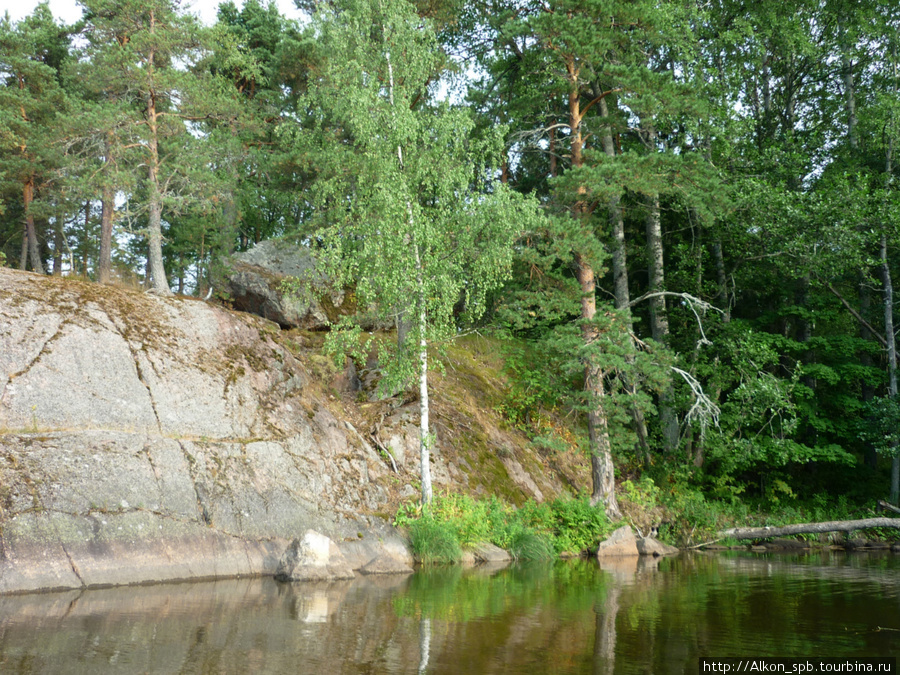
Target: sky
{"type": "Point", "coordinates": [68, 11]}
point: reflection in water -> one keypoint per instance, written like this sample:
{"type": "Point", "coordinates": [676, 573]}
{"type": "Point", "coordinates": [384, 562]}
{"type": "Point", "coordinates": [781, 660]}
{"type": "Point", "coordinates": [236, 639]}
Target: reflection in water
{"type": "Point", "coordinates": [627, 616]}
{"type": "Point", "coordinates": [424, 644]}
{"type": "Point", "coordinates": [605, 639]}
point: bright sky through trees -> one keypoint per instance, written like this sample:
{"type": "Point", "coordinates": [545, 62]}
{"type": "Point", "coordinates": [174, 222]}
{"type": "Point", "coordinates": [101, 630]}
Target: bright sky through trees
{"type": "Point", "coordinates": [69, 11]}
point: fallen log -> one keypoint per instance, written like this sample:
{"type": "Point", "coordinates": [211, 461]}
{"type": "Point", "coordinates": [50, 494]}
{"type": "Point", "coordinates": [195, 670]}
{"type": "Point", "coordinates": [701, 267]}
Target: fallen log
{"type": "Point", "coordinates": [808, 528]}
{"type": "Point", "coordinates": [887, 507]}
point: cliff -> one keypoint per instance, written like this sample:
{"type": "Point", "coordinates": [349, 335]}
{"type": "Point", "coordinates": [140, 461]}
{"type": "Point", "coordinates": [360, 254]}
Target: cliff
{"type": "Point", "coordinates": [150, 439]}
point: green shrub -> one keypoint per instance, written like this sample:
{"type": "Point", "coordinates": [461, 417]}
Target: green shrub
{"type": "Point", "coordinates": [534, 531]}
{"type": "Point", "coordinates": [578, 526]}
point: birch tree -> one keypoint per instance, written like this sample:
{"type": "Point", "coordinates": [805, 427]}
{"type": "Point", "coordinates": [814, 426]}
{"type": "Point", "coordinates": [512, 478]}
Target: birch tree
{"type": "Point", "coordinates": [408, 211]}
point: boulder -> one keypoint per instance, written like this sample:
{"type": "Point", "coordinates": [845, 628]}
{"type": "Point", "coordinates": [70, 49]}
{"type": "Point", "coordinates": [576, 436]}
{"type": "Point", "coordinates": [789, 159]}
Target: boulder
{"type": "Point", "coordinates": [386, 564]}
{"type": "Point", "coordinates": [253, 281]}
{"type": "Point", "coordinates": [313, 557]}
{"type": "Point", "coordinates": [620, 543]}
{"type": "Point", "coordinates": [486, 552]}
{"type": "Point", "coordinates": [651, 546]}
{"type": "Point", "coordinates": [468, 559]}
{"type": "Point", "coordinates": [378, 555]}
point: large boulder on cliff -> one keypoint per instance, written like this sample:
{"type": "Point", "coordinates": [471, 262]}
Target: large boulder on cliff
{"type": "Point", "coordinates": [252, 281]}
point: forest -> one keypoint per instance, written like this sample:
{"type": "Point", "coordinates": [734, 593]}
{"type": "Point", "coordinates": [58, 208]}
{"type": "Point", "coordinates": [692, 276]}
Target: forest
{"type": "Point", "coordinates": [679, 219]}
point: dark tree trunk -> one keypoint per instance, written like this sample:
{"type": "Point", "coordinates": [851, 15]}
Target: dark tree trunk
{"type": "Point", "coordinates": [659, 318]}
{"type": "Point", "coordinates": [34, 249]}
{"type": "Point", "coordinates": [602, 469]}
{"type": "Point", "coordinates": [620, 281]}
{"type": "Point", "coordinates": [107, 209]}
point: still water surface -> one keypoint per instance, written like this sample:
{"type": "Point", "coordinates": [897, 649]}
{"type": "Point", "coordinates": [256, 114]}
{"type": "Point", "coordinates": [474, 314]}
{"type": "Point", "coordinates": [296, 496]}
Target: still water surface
{"type": "Point", "coordinates": [567, 617]}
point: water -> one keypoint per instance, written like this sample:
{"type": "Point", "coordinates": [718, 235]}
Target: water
{"type": "Point", "coordinates": [566, 617]}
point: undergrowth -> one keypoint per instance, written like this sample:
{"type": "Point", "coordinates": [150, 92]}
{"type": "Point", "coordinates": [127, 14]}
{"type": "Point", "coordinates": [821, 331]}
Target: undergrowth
{"type": "Point", "coordinates": [453, 522]}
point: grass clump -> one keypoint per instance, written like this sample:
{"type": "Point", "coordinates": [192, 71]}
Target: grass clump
{"type": "Point", "coordinates": [433, 541]}
{"type": "Point", "coordinates": [528, 544]}
{"type": "Point", "coordinates": [531, 532]}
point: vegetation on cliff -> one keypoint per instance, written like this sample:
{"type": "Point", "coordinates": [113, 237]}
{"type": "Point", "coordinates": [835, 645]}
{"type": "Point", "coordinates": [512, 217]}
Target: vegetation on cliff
{"type": "Point", "coordinates": [697, 295]}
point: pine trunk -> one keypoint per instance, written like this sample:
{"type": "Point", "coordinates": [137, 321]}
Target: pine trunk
{"type": "Point", "coordinates": [620, 282]}
{"type": "Point", "coordinates": [889, 300]}
{"type": "Point", "coordinates": [154, 225]}
{"type": "Point", "coordinates": [892, 356]}
{"type": "Point", "coordinates": [659, 319]}
{"type": "Point", "coordinates": [602, 469]}
{"type": "Point", "coordinates": [721, 280]}
{"type": "Point", "coordinates": [107, 209]}
{"type": "Point", "coordinates": [23, 255]}
{"type": "Point", "coordinates": [34, 251]}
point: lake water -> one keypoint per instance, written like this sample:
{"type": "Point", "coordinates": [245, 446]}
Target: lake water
{"type": "Point", "coordinates": [647, 616]}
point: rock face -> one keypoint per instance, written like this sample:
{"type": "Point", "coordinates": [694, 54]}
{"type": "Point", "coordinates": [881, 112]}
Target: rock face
{"type": "Point", "coordinates": [253, 283]}
{"type": "Point", "coordinates": [619, 543]}
{"type": "Point", "coordinates": [150, 439]}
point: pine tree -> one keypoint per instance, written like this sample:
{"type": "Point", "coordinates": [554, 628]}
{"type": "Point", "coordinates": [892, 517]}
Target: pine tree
{"type": "Point", "coordinates": [32, 101]}
{"type": "Point", "coordinates": [140, 56]}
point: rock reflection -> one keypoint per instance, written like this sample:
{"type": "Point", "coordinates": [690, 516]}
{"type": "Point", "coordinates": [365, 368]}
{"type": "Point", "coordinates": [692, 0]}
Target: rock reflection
{"type": "Point", "coordinates": [567, 617]}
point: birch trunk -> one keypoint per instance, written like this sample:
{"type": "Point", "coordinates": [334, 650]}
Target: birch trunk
{"type": "Point", "coordinates": [424, 429]}
{"type": "Point", "coordinates": [422, 319]}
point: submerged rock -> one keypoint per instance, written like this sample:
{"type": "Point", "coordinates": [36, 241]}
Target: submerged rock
{"type": "Point", "coordinates": [384, 555]}
{"type": "Point", "coordinates": [386, 564]}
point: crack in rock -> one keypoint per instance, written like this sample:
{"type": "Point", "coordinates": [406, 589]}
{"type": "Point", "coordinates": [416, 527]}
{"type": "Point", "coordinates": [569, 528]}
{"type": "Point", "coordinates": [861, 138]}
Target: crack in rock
{"type": "Point", "coordinates": [199, 490]}
{"type": "Point", "coordinates": [37, 357]}
{"type": "Point", "coordinates": [72, 564]}
{"type": "Point", "coordinates": [146, 452]}
{"type": "Point", "coordinates": [137, 368]}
